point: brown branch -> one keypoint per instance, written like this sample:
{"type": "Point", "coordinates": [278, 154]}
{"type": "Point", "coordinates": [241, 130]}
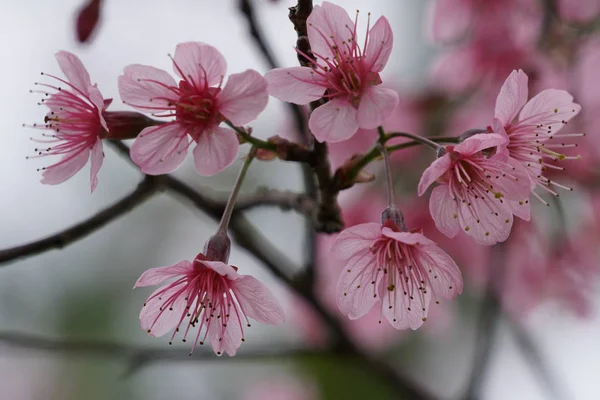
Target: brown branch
{"type": "Point", "coordinates": [283, 199]}
{"type": "Point", "coordinates": [144, 191]}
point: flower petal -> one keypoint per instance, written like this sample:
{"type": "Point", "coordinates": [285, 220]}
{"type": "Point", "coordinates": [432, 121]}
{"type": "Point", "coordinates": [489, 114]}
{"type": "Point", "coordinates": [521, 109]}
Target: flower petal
{"type": "Point", "coordinates": [444, 211]}
{"type": "Point", "coordinates": [380, 44]}
{"type": "Point", "coordinates": [74, 70]}
{"type": "Point", "coordinates": [243, 97]}
{"type": "Point", "coordinates": [328, 25]}
{"type": "Point", "coordinates": [356, 292]}
{"type": "Point", "coordinates": [215, 151]}
{"type": "Point", "coordinates": [551, 108]}
{"type": "Point", "coordinates": [355, 239]}
{"type": "Point", "coordinates": [400, 310]}
{"type": "Point", "coordinates": [408, 238]}
{"type": "Point", "coordinates": [199, 63]}
{"type": "Point", "coordinates": [154, 276]}
{"type": "Point", "coordinates": [333, 121]}
{"type": "Point", "coordinates": [68, 166]}
{"type": "Point", "coordinates": [298, 85]}
{"type": "Point", "coordinates": [225, 339]}
{"type": "Point", "coordinates": [512, 97]}
{"type": "Point", "coordinates": [444, 275]}
{"type": "Point", "coordinates": [376, 104]}
{"type": "Point", "coordinates": [160, 149]}
{"type": "Point", "coordinates": [479, 142]}
{"type": "Point", "coordinates": [222, 269]}
{"type": "Point", "coordinates": [437, 168]}
{"type": "Point", "coordinates": [162, 314]}
{"type": "Point", "coordinates": [97, 156]}
{"type": "Point", "coordinates": [257, 301]}
{"type": "Point", "coordinates": [147, 88]}
{"type": "Point", "coordinates": [449, 19]}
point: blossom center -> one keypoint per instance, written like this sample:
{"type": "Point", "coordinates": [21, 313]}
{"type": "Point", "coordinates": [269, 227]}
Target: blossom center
{"type": "Point", "coordinates": [198, 106]}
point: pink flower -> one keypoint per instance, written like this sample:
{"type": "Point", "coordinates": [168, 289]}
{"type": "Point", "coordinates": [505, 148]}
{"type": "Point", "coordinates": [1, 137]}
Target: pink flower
{"type": "Point", "coordinates": [578, 10]}
{"type": "Point", "coordinates": [402, 270]}
{"type": "Point", "coordinates": [199, 105]}
{"type": "Point", "coordinates": [343, 73]}
{"type": "Point", "coordinates": [209, 295]}
{"type": "Point", "coordinates": [76, 118]}
{"type": "Point", "coordinates": [475, 190]}
{"type": "Point", "coordinates": [531, 125]}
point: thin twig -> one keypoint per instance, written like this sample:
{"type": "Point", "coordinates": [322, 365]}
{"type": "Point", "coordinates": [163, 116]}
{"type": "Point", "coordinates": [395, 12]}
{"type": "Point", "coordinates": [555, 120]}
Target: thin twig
{"type": "Point", "coordinates": [285, 200]}
{"type": "Point", "coordinates": [144, 191]}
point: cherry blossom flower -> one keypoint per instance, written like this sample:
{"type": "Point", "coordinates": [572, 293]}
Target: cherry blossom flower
{"type": "Point", "coordinates": [199, 106]}
{"type": "Point", "coordinates": [475, 190]}
{"type": "Point", "coordinates": [210, 296]}
{"type": "Point", "coordinates": [343, 73]}
{"type": "Point", "coordinates": [531, 125]}
{"type": "Point", "coordinates": [403, 271]}
{"type": "Point", "coordinates": [578, 10]}
{"type": "Point", "coordinates": [76, 117]}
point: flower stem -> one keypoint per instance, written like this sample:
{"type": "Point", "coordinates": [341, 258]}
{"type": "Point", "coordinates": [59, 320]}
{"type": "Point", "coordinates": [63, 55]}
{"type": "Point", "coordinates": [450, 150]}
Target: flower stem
{"type": "Point", "coordinates": [414, 137]}
{"type": "Point", "coordinates": [226, 217]}
{"type": "Point", "coordinates": [388, 174]}
{"type": "Point", "coordinates": [261, 144]}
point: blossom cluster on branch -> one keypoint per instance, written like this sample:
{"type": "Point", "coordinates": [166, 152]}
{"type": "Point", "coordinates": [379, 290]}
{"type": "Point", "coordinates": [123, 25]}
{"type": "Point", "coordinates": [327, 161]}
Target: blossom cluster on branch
{"type": "Point", "coordinates": [483, 175]}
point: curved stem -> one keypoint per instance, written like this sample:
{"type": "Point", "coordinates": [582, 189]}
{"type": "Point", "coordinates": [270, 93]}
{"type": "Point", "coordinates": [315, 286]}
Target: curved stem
{"type": "Point", "coordinates": [414, 137]}
{"type": "Point", "coordinates": [258, 143]}
{"type": "Point", "coordinates": [226, 217]}
{"type": "Point", "coordinates": [388, 174]}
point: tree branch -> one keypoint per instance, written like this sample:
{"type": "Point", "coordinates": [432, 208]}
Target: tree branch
{"type": "Point", "coordinates": [283, 199]}
{"type": "Point", "coordinates": [144, 191]}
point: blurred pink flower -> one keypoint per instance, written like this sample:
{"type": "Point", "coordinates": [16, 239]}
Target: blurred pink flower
{"type": "Point", "coordinates": [345, 74]}
{"type": "Point", "coordinates": [76, 118]}
{"type": "Point", "coordinates": [210, 294]}
{"type": "Point", "coordinates": [282, 388]}
{"type": "Point", "coordinates": [474, 190]}
{"type": "Point", "coordinates": [530, 125]}
{"type": "Point", "coordinates": [199, 105]}
{"type": "Point", "coordinates": [578, 10]}
{"type": "Point", "coordinates": [402, 270]}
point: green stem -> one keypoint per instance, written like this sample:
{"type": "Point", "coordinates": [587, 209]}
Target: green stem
{"type": "Point", "coordinates": [226, 217]}
{"type": "Point", "coordinates": [388, 174]}
{"type": "Point", "coordinates": [258, 143]}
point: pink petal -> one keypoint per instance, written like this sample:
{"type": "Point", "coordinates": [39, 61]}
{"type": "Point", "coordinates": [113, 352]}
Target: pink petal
{"type": "Point", "coordinates": [222, 269]}
{"type": "Point", "coordinates": [215, 151]}
{"type": "Point", "coordinates": [521, 209]}
{"type": "Point", "coordinates": [154, 276]}
{"type": "Point", "coordinates": [376, 104]}
{"type": "Point", "coordinates": [445, 277]}
{"type": "Point", "coordinates": [97, 156]}
{"type": "Point", "coordinates": [199, 63]}
{"type": "Point", "coordinates": [162, 321]}
{"type": "Point", "coordinates": [147, 88]}
{"type": "Point", "coordinates": [455, 70]}
{"type": "Point", "coordinates": [355, 239]}
{"type": "Point", "coordinates": [355, 290]}
{"type": "Point", "coordinates": [160, 149]}
{"type": "Point", "coordinates": [298, 85]}
{"type": "Point", "coordinates": [68, 166]}
{"type": "Point", "coordinates": [514, 183]}
{"type": "Point", "coordinates": [498, 128]}
{"type": "Point", "coordinates": [550, 108]}
{"type": "Point", "coordinates": [408, 238]}
{"type": "Point", "coordinates": [334, 121]}
{"type": "Point", "coordinates": [578, 10]}
{"type": "Point", "coordinates": [449, 19]}
{"type": "Point", "coordinates": [243, 97]}
{"type": "Point", "coordinates": [328, 25]}
{"type": "Point", "coordinates": [479, 142]}
{"type": "Point", "coordinates": [257, 301]}
{"type": "Point", "coordinates": [484, 226]}
{"type": "Point", "coordinates": [96, 98]}
{"type": "Point", "coordinates": [380, 44]}
{"type": "Point", "coordinates": [226, 340]}
{"type": "Point", "coordinates": [74, 70]}
{"type": "Point", "coordinates": [512, 97]}
{"type": "Point", "coordinates": [403, 312]}
{"type": "Point", "coordinates": [437, 168]}
{"type": "Point", "coordinates": [444, 211]}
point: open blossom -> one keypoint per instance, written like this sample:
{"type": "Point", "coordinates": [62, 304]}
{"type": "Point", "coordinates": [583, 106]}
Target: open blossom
{"type": "Point", "coordinates": [199, 105]}
{"type": "Point", "coordinates": [76, 117]}
{"type": "Point", "coordinates": [210, 296]}
{"type": "Point", "coordinates": [343, 73]}
{"type": "Point", "coordinates": [476, 192]}
{"type": "Point", "coordinates": [531, 125]}
{"type": "Point", "coordinates": [404, 271]}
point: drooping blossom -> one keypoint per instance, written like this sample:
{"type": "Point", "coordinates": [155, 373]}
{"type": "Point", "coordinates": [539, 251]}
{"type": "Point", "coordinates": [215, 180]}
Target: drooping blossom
{"type": "Point", "coordinates": [343, 73]}
{"type": "Point", "coordinates": [476, 191]}
{"type": "Point", "coordinates": [199, 105]}
{"type": "Point", "coordinates": [76, 117]}
{"type": "Point", "coordinates": [403, 271]}
{"type": "Point", "coordinates": [531, 125]}
{"type": "Point", "coordinates": [210, 296]}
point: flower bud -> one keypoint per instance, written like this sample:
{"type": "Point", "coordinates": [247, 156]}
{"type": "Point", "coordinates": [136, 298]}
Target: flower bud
{"type": "Point", "coordinates": [126, 124]}
{"type": "Point", "coordinates": [218, 248]}
{"type": "Point", "coordinates": [392, 218]}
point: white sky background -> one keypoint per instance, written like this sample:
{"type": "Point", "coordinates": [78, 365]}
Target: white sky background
{"type": "Point", "coordinates": [144, 31]}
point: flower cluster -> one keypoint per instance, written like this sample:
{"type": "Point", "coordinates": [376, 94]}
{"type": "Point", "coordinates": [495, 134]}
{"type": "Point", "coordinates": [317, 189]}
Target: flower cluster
{"type": "Point", "coordinates": [482, 179]}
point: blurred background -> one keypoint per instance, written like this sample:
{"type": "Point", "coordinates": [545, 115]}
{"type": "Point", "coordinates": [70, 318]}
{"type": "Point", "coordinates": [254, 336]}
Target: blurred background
{"type": "Point", "coordinates": [527, 325]}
